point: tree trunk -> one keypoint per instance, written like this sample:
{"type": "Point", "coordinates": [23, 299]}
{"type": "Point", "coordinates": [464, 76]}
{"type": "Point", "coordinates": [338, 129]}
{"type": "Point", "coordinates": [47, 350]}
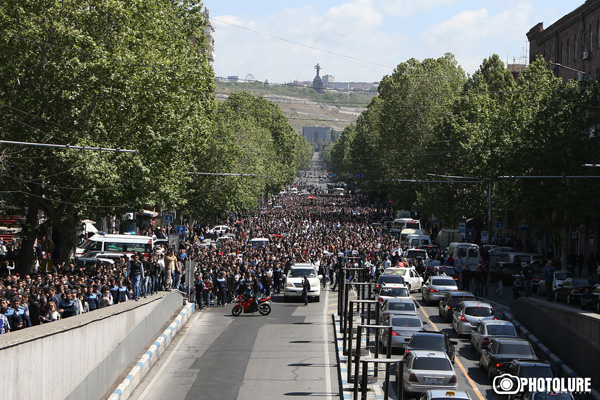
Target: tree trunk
{"type": "Point", "coordinates": [30, 232]}
{"type": "Point", "coordinates": [68, 239]}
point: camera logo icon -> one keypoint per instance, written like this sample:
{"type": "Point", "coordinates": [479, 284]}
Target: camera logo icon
{"type": "Point", "coordinates": [506, 384]}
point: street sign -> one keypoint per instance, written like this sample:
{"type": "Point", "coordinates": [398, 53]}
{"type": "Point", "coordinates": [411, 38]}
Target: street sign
{"type": "Point", "coordinates": [181, 229]}
{"type": "Point", "coordinates": [168, 218]}
{"type": "Point", "coordinates": [499, 225]}
{"type": "Point", "coordinates": [359, 176]}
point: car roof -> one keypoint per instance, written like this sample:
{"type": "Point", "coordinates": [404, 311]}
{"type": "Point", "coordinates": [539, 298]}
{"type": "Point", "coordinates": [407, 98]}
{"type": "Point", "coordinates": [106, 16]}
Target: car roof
{"type": "Point", "coordinates": [303, 265]}
{"type": "Point", "coordinates": [394, 285]}
{"type": "Point", "coordinates": [532, 363]}
{"type": "Point", "coordinates": [430, 353]}
{"type": "Point", "coordinates": [510, 340]}
{"type": "Point", "coordinates": [400, 300]}
{"type": "Point", "coordinates": [429, 333]}
{"type": "Point", "coordinates": [496, 322]}
{"type": "Point", "coordinates": [448, 394]}
{"type": "Point", "coordinates": [461, 294]}
{"type": "Point", "coordinates": [475, 303]}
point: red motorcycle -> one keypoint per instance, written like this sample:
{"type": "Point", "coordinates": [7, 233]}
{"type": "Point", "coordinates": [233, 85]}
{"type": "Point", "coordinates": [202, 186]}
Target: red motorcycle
{"type": "Point", "coordinates": [248, 305]}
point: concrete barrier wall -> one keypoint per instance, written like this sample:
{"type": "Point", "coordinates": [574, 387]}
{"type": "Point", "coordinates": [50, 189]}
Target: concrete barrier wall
{"type": "Point", "coordinates": [81, 357]}
{"type": "Point", "coordinates": [567, 332]}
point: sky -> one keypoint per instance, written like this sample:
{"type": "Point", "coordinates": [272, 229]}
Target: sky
{"type": "Point", "coordinates": [281, 41]}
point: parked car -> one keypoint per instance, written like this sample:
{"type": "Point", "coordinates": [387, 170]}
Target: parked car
{"type": "Point", "coordinates": [435, 341]}
{"type": "Point", "coordinates": [506, 272]}
{"type": "Point", "coordinates": [469, 314]}
{"type": "Point", "coordinates": [450, 302]}
{"type": "Point", "coordinates": [596, 297]}
{"type": "Point", "coordinates": [572, 289]}
{"type": "Point", "coordinates": [425, 369]}
{"type": "Point", "coordinates": [403, 326]}
{"type": "Point", "coordinates": [216, 230]}
{"type": "Point", "coordinates": [436, 287]}
{"type": "Point", "coordinates": [528, 369]}
{"type": "Point", "coordinates": [501, 352]}
{"type": "Point", "coordinates": [488, 330]}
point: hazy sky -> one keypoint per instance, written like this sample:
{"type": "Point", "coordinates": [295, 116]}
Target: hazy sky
{"type": "Point", "coordinates": [363, 40]}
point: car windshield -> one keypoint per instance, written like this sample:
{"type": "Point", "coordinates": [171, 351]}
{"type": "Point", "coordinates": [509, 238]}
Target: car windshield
{"type": "Point", "coordinates": [456, 300]}
{"type": "Point", "coordinates": [499, 330]}
{"type": "Point", "coordinates": [398, 306]}
{"type": "Point", "coordinates": [391, 279]}
{"type": "Point", "coordinates": [522, 349]}
{"type": "Point", "coordinates": [406, 322]}
{"type": "Point", "coordinates": [537, 371]}
{"type": "Point", "coordinates": [394, 291]}
{"type": "Point", "coordinates": [432, 364]}
{"type": "Point", "coordinates": [479, 311]}
{"type": "Point", "coordinates": [429, 342]}
{"type": "Point", "coordinates": [300, 272]}
{"type": "Point", "coordinates": [415, 254]}
{"type": "Point", "coordinates": [399, 272]}
{"type": "Point", "coordinates": [443, 282]}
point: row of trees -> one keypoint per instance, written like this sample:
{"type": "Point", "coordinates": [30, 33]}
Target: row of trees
{"type": "Point", "coordinates": [129, 75]}
{"type": "Point", "coordinates": [432, 119]}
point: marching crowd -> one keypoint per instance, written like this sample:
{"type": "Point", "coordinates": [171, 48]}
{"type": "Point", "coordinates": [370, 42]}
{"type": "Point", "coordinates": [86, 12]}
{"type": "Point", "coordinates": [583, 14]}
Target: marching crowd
{"type": "Point", "coordinates": [319, 228]}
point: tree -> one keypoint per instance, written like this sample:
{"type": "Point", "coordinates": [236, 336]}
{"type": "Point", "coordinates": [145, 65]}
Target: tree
{"type": "Point", "coordinates": [129, 75]}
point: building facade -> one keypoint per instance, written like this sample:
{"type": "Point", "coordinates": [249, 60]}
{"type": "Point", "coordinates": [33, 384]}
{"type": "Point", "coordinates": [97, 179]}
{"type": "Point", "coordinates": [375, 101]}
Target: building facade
{"type": "Point", "coordinates": [571, 44]}
{"type": "Point", "coordinates": [316, 134]}
{"type": "Point", "coordinates": [208, 35]}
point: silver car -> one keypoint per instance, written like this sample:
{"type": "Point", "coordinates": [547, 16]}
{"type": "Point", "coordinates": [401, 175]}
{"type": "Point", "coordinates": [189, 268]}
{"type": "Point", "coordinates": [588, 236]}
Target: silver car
{"type": "Point", "coordinates": [426, 370]}
{"type": "Point", "coordinates": [490, 329]}
{"type": "Point", "coordinates": [398, 306]}
{"type": "Point", "coordinates": [436, 287]}
{"type": "Point", "coordinates": [403, 326]}
{"type": "Point", "coordinates": [469, 314]}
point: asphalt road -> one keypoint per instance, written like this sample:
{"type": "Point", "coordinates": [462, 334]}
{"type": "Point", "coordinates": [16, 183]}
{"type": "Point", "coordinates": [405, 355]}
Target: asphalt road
{"type": "Point", "coordinates": [286, 355]}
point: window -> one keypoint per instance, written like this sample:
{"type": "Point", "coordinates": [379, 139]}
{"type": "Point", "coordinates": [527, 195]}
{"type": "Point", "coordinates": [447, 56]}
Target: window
{"type": "Point", "coordinates": [575, 48]}
{"type": "Point", "coordinates": [568, 53]}
{"type": "Point", "coordinates": [598, 35]}
{"type": "Point", "coordinates": [591, 40]}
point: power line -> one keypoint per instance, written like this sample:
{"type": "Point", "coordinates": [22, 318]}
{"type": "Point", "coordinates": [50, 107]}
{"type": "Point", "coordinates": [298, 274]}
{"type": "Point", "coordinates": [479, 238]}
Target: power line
{"type": "Point", "coordinates": [68, 146]}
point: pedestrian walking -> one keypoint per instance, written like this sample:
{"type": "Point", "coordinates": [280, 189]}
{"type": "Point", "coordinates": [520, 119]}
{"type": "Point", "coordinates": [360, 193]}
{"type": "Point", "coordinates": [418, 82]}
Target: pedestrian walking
{"type": "Point", "coordinates": [305, 289]}
{"type": "Point", "coordinates": [517, 288]}
{"type": "Point", "coordinates": [548, 279]}
{"type": "Point", "coordinates": [528, 277]}
{"type": "Point", "coordinates": [499, 288]}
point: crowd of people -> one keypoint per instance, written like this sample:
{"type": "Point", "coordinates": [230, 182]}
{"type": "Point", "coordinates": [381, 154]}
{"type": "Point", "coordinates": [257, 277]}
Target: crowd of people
{"type": "Point", "coordinates": [320, 228]}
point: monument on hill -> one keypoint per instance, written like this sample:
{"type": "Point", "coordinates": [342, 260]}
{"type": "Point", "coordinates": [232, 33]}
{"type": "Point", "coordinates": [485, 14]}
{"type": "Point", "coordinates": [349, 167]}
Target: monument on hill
{"type": "Point", "coordinates": [317, 82]}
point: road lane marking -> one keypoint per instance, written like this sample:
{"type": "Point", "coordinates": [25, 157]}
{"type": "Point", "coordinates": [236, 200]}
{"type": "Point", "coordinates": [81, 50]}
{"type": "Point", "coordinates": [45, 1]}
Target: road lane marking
{"type": "Point", "coordinates": [166, 362]}
{"type": "Point", "coordinates": [456, 360]}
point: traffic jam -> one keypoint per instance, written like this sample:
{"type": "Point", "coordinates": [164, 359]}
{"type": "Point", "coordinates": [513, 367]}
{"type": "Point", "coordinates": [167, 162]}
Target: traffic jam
{"type": "Point", "coordinates": [450, 326]}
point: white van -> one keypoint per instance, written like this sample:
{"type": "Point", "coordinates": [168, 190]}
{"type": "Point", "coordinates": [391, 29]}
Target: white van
{"type": "Point", "coordinates": [127, 244]}
{"type": "Point", "coordinates": [409, 231]}
{"type": "Point", "coordinates": [418, 240]}
{"type": "Point", "coordinates": [400, 224]}
{"type": "Point", "coordinates": [469, 252]}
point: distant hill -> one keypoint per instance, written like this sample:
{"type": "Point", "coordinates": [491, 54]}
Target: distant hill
{"type": "Point", "coordinates": [305, 106]}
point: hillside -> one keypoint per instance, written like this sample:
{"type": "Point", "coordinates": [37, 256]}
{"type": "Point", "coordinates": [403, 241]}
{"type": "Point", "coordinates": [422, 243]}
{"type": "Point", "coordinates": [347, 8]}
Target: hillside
{"type": "Point", "coordinates": [305, 106]}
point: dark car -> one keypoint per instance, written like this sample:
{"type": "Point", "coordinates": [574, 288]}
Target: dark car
{"type": "Point", "coordinates": [450, 301]}
{"type": "Point", "coordinates": [501, 352]}
{"type": "Point", "coordinates": [438, 341]}
{"type": "Point", "coordinates": [529, 369]}
{"type": "Point", "coordinates": [572, 289]}
{"type": "Point", "coordinates": [383, 279]}
{"type": "Point", "coordinates": [505, 272]}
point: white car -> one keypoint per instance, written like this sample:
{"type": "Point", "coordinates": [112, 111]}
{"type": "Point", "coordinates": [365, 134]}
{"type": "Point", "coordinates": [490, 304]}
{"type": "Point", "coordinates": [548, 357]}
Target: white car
{"type": "Point", "coordinates": [412, 279]}
{"type": "Point", "coordinates": [295, 277]}
{"type": "Point", "coordinates": [219, 229]}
